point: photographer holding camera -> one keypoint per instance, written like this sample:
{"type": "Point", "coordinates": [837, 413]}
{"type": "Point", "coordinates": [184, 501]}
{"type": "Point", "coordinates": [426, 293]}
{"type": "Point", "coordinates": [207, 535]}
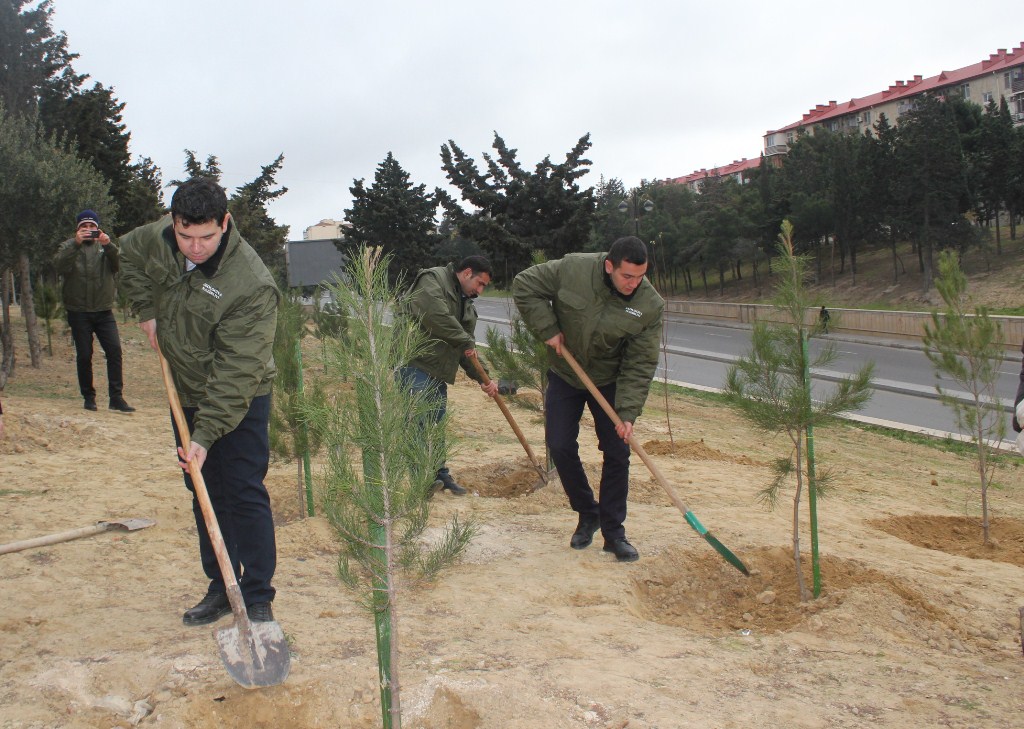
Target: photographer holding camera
{"type": "Point", "coordinates": [88, 263]}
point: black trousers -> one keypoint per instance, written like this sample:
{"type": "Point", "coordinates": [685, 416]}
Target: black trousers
{"type": "Point", "coordinates": [235, 468]}
{"type": "Point", "coordinates": [563, 408]}
{"type": "Point", "coordinates": [101, 323]}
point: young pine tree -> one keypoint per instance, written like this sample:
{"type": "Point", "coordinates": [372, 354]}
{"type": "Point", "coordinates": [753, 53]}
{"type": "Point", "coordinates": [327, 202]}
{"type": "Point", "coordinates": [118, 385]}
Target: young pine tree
{"type": "Point", "coordinates": [383, 451]}
{"type": "Point", "coordinates": [290, 436]}
{"type": "Point", "coordinates": [771, 386]}
{"type": "Point", "coordinates": [963, 344]}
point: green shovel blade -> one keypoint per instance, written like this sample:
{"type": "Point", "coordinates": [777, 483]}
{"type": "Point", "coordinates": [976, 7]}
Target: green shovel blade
{"type": "Point", "coordinates": [731, 558]}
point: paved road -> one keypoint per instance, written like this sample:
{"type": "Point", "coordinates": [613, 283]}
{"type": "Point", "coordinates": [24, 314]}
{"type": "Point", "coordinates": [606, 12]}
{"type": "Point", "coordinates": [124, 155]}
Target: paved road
{"type": "Point", "coordinates": [699, 354]}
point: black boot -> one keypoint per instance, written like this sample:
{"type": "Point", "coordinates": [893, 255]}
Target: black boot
{"type": "Point", "coordinates": [623, 550]}
{"type": "Point", "coordinates": [208, 610]}
{"type": "Point", "coordinates": [118, 403]}
{"type": "Point", "coordinates": [585, 530]}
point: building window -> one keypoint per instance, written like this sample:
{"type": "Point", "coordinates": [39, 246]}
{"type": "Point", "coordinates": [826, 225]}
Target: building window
{"type": "Point", "coordinates": [1006, 80]}
{"type": "Point", "coordinates": [986, 97]}
{"type": "Point", "coordinates": [866, 118]}
{"type": "Point", "coordinates": [965, 91]}
{"type": "Point", "coordinates": [770, 142]}
{"type": "Point", "coordinates": [833, 125]}
{"type": "Point", "coordinates": [789, 137]}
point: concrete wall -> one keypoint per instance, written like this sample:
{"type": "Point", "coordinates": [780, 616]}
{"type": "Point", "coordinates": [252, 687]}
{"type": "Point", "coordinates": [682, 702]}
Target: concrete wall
{"type": "Point", "coordinates": [899, 324]}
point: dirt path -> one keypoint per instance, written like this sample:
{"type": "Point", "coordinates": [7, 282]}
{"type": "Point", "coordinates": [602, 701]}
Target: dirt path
{"type": "Point", "coordinates": [917, 625]}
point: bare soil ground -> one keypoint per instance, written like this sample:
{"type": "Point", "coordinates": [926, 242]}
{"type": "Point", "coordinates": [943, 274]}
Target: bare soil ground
{"type": "Point", "coordinates": [916, 626]}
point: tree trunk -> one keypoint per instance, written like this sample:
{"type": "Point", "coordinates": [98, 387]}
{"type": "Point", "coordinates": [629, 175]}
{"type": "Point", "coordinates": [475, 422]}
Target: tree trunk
{"type": "Point", "coordinates": [999, 241]}
{"type": "Point", "coordinates": [6, 334]}
{"type": "Point", "coordinates": [895, 256]}
{"type": "Point", "coordinates": [804, 595]}
{"type": "Point", "coordinates": [28, 313]}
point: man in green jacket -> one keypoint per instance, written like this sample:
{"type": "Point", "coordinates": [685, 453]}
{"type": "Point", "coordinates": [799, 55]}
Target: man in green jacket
{"type": "Point", "coordinates": [609, 317]}
{"type": "Point", "coordinates": [440, 301]}
{"type": "Point", "coordinates": [203, 294]}
{"type": "Point", "coordinates": [88, 263]}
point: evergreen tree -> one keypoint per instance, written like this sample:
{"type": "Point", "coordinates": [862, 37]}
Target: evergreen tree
{"type": "Point", "coordinates": [383, 450]}
{"type": "Point", "coordinates": [34, 60]}
{"type": "Point", "coordinates": [771, 387]}
{"type": "Point", "coordinates": [965, 346]}
{"type": "Point", "coordinates": [43, 186]}
{"type": "Point", "coordinates": [194, 168]}
{"type": "Point", "coordinates": [248, 208]}
{"type": "Point", "coordinates": [141, 201]}
{"type": "Point", "coordinates": [397, 216]}
{"type": "Point", "coordinates": [991, 162]}
{"type": "Point", "coordinates": [518, 212]}
{"type": "Point", "coordinates": [608, 223]}
{"type": "Point", "coordinates": [932, 177]}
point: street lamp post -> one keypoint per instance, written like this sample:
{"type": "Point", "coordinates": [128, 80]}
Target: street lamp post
{"type": "Point", "coordinates": [633, 202]}
{"type": "Point", "coordinates": [634, 205]}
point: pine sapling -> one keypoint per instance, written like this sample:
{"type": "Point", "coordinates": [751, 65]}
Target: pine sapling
{"type": "Point", "coordinates": [384, 449]}
{"type": "Point", "coordinates": [771, 386]}
{"type": "Point", "coordinates": [964, 344]}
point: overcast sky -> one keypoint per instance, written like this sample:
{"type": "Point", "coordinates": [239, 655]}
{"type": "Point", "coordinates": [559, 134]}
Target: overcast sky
{"type": "Point", "coordinates": [664, 87]}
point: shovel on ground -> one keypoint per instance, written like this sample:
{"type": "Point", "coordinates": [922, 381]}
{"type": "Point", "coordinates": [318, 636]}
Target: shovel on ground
{"type": "Point", "coordinates": [255, 654]}
{"type": "Point", "coordinates": [128, 525]}
{"type": "Point", "coordinates": [691, 519]}
{"type": "Point", "coordinates": [544, 475]}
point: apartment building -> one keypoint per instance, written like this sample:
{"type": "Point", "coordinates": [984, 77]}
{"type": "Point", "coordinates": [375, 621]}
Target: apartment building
{"type": "Point", "coordinates": [1000, 75]}
{"type": "Point", "coordinates": [738, 170]}
{"type": "Point", "coordinates": [326, 229]}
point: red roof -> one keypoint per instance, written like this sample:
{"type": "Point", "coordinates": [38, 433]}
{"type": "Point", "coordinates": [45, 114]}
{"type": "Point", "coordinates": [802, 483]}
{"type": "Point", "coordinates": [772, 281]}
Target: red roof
{"type": "Point", "coordinates": [740, 165]}
{"type": "Point", "coordinates": [996, 62]}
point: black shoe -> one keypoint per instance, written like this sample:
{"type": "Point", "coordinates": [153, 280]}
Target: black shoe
{"type": "Point", "coordinates": [448, 484]}
{"type": "Point", "coordinates": [623, 550]}
{"type": "Point", "coordinates": [260, 612]}
{"type": "Point", "coordinates": [210, 609]}
{"type": "Point", "coordinates": [90, 405]}
{"type": "Point", "coordinates": [118, 404]}
{"type": "Point", "coordinates": [585, 530]}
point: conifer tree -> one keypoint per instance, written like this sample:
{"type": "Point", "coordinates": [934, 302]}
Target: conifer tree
{"type": "Point", "coordinates": [771, 387]}
{"type": "Point", "coordinates": [964, 344]}
{"type": "Point", "coordinates": [383, 451]}
{"type": "Point", "coordinates": [397, 216]}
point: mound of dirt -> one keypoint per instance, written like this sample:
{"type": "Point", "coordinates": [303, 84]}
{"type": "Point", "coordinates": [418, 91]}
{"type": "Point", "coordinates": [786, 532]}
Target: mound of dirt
{"type": "Point", "coordinates": [959, 535]}
{"type": "Point", "coordinates": [500, 480]}
{"type": "Point", "coordinates": [702, 593]}
{"type": "Point", "coordinates": [696, 450]}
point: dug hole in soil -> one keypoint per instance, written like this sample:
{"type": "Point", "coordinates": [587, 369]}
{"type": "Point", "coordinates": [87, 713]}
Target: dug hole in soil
{"type": "Point", "coordinates": [917, 624]}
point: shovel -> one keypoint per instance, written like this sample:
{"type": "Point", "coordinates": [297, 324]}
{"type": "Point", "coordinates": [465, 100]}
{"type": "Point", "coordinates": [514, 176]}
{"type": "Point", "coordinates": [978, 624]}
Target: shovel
{"type": "Point", "coordinates": [544, 475]}
{"type": "Point", "coordinates": [691, 519]}
{"type": "Point", "coordinates": [129, 525]}
{"type": "Point", "coordinates": [255, 654]}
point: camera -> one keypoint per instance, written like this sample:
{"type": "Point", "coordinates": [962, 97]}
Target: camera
{"type": "Point", "coordinates": [93, 233]}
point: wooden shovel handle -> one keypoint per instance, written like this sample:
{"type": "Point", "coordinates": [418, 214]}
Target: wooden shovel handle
{"type": "Point", "coordinates": [633, 442]}
{"type": "Point", "coordinates": [508, 415]}
{"type": "Point", "coordinates": [49, 539]}
{"type": "Point", "coordinates": [234, 593]}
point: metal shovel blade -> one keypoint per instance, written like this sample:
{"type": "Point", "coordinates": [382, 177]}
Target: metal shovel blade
{"type": "Point", "coordinates": [258, 659]}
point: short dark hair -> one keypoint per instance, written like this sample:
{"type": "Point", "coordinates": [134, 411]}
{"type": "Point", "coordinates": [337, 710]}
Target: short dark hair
{"type": "Point", "coordinates": [630, 249]}
{"type": "Point", "coordinates": [199, 200]}
{"type": "Point", "coordinates": [476, 265]}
